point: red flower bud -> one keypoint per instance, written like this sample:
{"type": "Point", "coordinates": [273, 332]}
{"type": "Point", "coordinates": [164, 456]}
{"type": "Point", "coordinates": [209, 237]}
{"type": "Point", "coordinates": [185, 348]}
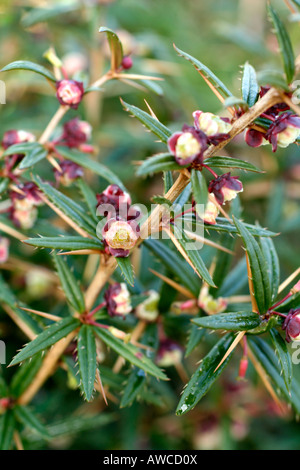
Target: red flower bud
{"type": "Point", "coordinates": [291, 325]}
{"type": "Point", "coordinates": [69, 92]}
{"type": "Point", "coordinates": [120, 236]}
{"type": "Point", "coordinates": [76, 133]}
{"type": "Point", "coordinates": [70, 172]}
{"type": "Point", "coordinates": [169, 353]}
{"type": "Point", "coordinates": [117, 299]}
{"type": "Point", "coordinates": [225, 187]}
{"type": "Point", "coordinates": [127, 62]}
{"type": "Point", "coordinates": [255, 138]}
{"type": "Point", "coordinates": [16, 137]}
{"type": "Point", "coordinates": [283, 131]}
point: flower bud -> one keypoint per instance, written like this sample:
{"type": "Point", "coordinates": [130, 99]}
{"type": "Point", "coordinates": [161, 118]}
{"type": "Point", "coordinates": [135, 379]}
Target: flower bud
{"type": "Point", "coordinates": [284, 130]}
{"type": "Point", "coordinates": [76, 133]}
{"type": "Point", "coordinates": [70, 172]}
{"type": "Point", "coordinates": [187, 146]}
{"type": "Point", "coordinates": [211, 212]}
{"type": "Point", "coordinates": [210, 305]}
{"type": "Point", "coordinates": [255, 138]}
{"type": "Point", "coordinates": [148, 310]}
{"type": "Point", "coordinates": [4, 249]}
{"type": "Point", "coordinates": [117, 299]}
{"type": "Point", "coordinates": [119, 334]}
{"type": "Point", "coordinates": [169, 353]}
{"type": "Point", "coordinates": [243, 368]}
{"type": "Point", "coordinates": [16, 137]}
{"type": "Point", "coordinates": [28, 198]}
{"type": "Point", "coordinates": [225, 188]}
{"type": "Point", "coordinates": [25, 219]}
{"type": "Point", "coordinates": [291, 325]}
{"type": "Point", "coordinates": [69, 92]}
{"type": "Point", "coordinates": [120, 236]}
{"type": "Point", "coordinates": [211, 124]}
{"type": "Point", "coordinates": [115, 196]}
{"type": "Point", "coordinates": [38, 283]}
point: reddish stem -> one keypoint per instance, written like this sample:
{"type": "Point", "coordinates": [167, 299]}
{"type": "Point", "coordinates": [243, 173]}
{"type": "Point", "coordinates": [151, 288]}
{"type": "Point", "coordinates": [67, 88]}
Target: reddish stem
{"type": "Point", "coordinates": [281, 301]}
{"type": "Point", "coordinates": [210, 170]}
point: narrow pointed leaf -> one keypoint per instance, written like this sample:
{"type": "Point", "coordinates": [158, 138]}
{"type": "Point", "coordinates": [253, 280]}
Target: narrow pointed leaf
{"type": "Point", "coordinates": [69, 284]}
{"type": "Point", "coordinates": [205, 375]}
{"type": "Point", "coordinates": [229, 162]}
{"type": "Point", "coordinates": [115, 45]}
{"type": "Point", "coordinates": [66, 243]}
{"type": "Point", "coordinates": [28, 419]}
{"type": "Point", "coordinates": [199, 189]}
{"type": "Point", "coordinates": [271, 256]}
{"type": "Point", "coordinates": [133, 387]}
{"type": "Point", "coordinates": [47, 338]}
{"type": "Point", "coordinates": [158, 163]}
{"type": "Point", "coordinates": [126, 269]}
{"type": "Point", "coordinates": [195, 337]}
{"type": "Point", "coordinates": [7, 427]}
{"type": "Point", "coordinates": [25, 374]}
{"type": "Point", "coordinates": [27, 65]}
{"type": "Point", "coordinates": [86, 350]}
{"type": "Point", "coordinates": [155, 126]}
{"type": "Point", "coordinates": [284, 357]}
{"type": "Point", "coordinates": [231, 321]}
{"type": "Point", "coordinates": [130, 353]}
{"type": "Point", "coordinates": [285, 44]}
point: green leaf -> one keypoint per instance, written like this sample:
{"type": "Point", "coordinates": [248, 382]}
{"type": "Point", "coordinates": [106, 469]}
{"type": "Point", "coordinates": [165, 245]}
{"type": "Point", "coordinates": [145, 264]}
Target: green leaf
{"type": "Point", "coordinates": [134, 386]}
{"type": "Point", "coordinates": [49, 336]}
{"type": "Point", "coordinates": [229, 162]}
{"type": "Point", "coordinates": [168, 181]}
{"type": "Point", "coordinates": [69, 284]}
{"type": "Point", "coordinates": [259, 268]}
{"type": "Point", "coordinates": [206, 71]}
{"type": "Point", "coordinates": [195, 337]}
{"type": "Point", "coordinates": [193, 255]}
{"type": "Point", "coordinates": [285, 44]}
{"type": "Point", "coordinates": [7, 427]}
{"type": "Point", "coordinates": [130, 353]}
{"type": "Point", "coordinates": [272, 78]}
{"type": "Point", "coordinates": [157, 163]}
{"type": "Point", "coordinates": [284, 357]}
{"type": "Point", "coordinates": [155, 126]}
{"type": "Point", "coordinates": [96, 167]}
{"type": "Point", "coordinates": [175, 264]}
{"type": "Point", "coordinates": [126, 269]}
{"type": "Point", "coordinates": [27, 65]}
{"type": "Point", "coordinates": [28, 419]}
{"type": "Point", "coordinates": [25, 374]}
{"type": "Point", "coordinates": [69, 207]}
{"type": "Point", "coordinates": [250, 86]}
{"type": "Point", "coordinates": [86, 350]}
{"type": "Point", "coordinates": [89, 197]}
{"type": "Point", "coordinates": [4, 183]}
{"type": "Point", "coordinates": [205, 375]}
{"type": "Point", "coordinates": [233, 321]}
{"type": "Point", "coordinates": [66, 243]}
{"type": "Point", "coordinates": [199, 190]}
{"type": "Point", "coordinates": [115, 45]}
{"type": "Point", "coordinates": [271, 256]}
{"type": "Point", "coordinates": [33, 151]}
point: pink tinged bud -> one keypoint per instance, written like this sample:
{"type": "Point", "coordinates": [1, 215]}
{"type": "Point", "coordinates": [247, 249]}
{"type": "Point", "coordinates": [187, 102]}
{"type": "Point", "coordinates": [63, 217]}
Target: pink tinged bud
{"type": "Point", "coordinates": [210, 305]}
{"type": "Point", "coordinates": [291, 325]}
{"type": "Point", "coordinates": [69, 92]}
{"type": "Point", "coordinates": [243, 368]}
{"type": "Point", "coordinates": [16, 137]}
{"type": "Point", "coordinates": [117, 299]}
{"type": "Point", "coordinates": [211, 124]}
{"type": "Point", "coordinates": [70, 172]}
{"type": "Point", "coordinates": [188, 145]}
{"type": "Point", "coordinates": [4, 249]}
{"type": "Point", "coordinates": [127, 62]}
{"type": "Point", "coordinates": [169, 354]}
{"type": "Point", "coordinates": [296, 288]}
{"type": "Point", "coordinates": [120, 235]}
{"type": "Point", "coordinates": [225, 188]}
{"type": "Point", "coordinates": [210, 213]}
{"type": "Point", "coordinates": [148, 310]}
{"type": "Point", "coordinates": [288, 136]}
{"type": "Point", "coordinates": [76, 133]}
{"type": "Point", "coordinates": [29, 199]}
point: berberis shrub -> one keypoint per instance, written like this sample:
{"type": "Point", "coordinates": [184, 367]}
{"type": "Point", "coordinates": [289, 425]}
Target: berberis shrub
{"type": "Point", "coordinates": [122, 293]}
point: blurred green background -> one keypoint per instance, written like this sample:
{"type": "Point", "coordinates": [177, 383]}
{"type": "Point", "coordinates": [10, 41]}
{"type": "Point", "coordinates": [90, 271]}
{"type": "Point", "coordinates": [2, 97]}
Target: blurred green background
{"type": "Point", "coordinates": [223, 35]}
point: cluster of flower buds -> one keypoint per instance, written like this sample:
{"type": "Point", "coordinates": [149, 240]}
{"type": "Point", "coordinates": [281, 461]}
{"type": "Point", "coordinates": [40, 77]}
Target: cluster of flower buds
{"type": "Point", "coordinates": [69, 92]}
{"type": "Point", "coordinates": [284, 128]}
{"type": "Point", "coordinates": [13, 137]}
{"type": "Point", "coordinates": [121, 231]}
{"type": "Point", "coordinates": [23, 211]}
{"type": "Point", "coordinates": [210, 305]}
{"type": "Point", "coordinates": [291, 325]}
{"type": "Point", "coordinates": [169, 353]}
{"type": "Point", "coordinates": [4, 249]}
{"type": "Point", "coordinates": [68, 173]}
{"type": "Point", "coordinates": [188, 146]}
{"type": "Point", "coordinates": [148, 310]}
{"type": "Point", "coordinates": [117, 298]}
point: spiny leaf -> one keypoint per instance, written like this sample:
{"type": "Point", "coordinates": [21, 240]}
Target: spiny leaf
{"type": "Point", "coordinates": [284, 357]}
{"type": "Point", "coordinates": [229, 162]}
{"type": "Point", "coordinates": [49, 336]}
{"type": "Point", "coordinates": [7, 427]}
{"type": "Point", "coordinates": [271, 256]}
{"type": "Point", "coordinates": [86, 350]}
{"type": "Point", "coordinates": [155, 126]}
{"type": "Point", "coordinates": [204, 377]}
{"type": "Point", "coordinates": [25, 374]}
{"type": "Point", "coordinates": [157, 163]}
{"type": "Point", "coordinates": [231, 321]}
{"type": "Point", "coordinates": [199, 189]}
{"type": "Point", "coordinates": [66, 243]}
{"type": "Point", "coordinates": [133, 387]}
{"type": "Point", "coordinates": [28, 419]}
{"type": "Point", "coordinates": [126, 269]}
{"type": "Point", "coordinates": [69, 284]}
